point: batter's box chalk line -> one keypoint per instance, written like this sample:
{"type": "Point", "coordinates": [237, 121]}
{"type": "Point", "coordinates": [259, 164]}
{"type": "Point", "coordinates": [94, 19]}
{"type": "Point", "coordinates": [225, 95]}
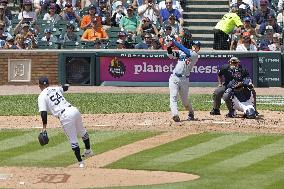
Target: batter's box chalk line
{"type": "Point", "coordinates": [5, 176]}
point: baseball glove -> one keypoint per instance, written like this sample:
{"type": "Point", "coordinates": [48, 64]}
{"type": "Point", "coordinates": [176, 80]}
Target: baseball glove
{"type": "Point", "coordinates": [43, 138]}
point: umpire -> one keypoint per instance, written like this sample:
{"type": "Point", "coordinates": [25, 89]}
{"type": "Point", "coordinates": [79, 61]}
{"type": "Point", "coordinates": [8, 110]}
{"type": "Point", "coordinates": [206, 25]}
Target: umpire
{"type": "Point", "coordinates": [231, 71]}
{"type": "Point", "coordinates": [224, 27]}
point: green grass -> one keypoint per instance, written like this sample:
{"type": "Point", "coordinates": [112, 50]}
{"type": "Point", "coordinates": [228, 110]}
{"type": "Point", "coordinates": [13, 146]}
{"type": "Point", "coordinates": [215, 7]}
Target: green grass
{"type": "Point", "coordinates": [250, 161]}
{"type": "Point", "coordinates": [110, 103]}
{"type": "Point", "coordinates": [21, 148]}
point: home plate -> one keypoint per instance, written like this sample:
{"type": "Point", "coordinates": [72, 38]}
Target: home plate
{"type": "Point", "coordinates": [221, 122]}
{"type": "Point", "coordinates": [5, 176]}
{"type": "Point", "coordinates": [145, 123]}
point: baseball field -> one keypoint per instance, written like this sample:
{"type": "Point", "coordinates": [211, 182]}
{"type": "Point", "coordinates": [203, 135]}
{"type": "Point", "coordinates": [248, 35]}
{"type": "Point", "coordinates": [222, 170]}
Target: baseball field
{"type": "Point", "coordinates": [137, 145]}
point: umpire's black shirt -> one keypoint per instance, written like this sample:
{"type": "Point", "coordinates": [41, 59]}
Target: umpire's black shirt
{"type": "Point", "coordinates": [238, 73]}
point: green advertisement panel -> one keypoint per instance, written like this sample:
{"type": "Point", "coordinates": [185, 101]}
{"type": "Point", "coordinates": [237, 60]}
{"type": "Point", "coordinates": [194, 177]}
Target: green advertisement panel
{"type": "Point", "coordinates": [269, 70]}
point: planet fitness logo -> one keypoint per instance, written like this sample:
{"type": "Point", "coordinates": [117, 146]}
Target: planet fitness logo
{"type": "Point", "coordinates": [116, 68]}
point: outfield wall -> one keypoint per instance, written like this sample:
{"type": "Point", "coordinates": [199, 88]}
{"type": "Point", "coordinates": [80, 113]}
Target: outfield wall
{"type": "Point", "coordinates": [129, 67]}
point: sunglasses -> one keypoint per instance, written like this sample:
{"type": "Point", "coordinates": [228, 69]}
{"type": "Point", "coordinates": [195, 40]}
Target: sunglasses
{"type": "Point", "coordinates": [169, 3]}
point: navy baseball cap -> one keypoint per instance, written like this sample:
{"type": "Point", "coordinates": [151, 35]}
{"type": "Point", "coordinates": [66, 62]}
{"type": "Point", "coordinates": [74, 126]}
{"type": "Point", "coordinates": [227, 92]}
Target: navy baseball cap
{"type": "Point", "coordinates": [247, 19]}
{"type": "Point", "coordinates": [43, 80]}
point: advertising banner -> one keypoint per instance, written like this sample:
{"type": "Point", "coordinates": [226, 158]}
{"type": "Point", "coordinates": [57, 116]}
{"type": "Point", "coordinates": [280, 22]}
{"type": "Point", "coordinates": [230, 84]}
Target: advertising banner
{"type": "Point", "coordinates": [159, 69]}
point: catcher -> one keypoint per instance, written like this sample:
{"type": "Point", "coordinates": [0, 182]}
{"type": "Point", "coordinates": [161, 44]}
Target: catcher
{"type": "Point", "coordinates": [239, 96]}
{"type": "Point", "coordinates": [52, 99]}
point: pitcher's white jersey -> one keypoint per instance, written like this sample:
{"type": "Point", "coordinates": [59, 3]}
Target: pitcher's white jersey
{"type": "Point", "coordinates": [51, 99]}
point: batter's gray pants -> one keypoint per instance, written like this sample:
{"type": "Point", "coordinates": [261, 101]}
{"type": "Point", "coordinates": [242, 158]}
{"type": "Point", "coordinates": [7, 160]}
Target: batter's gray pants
{"type": "Point", "coordinates": [179, 86]}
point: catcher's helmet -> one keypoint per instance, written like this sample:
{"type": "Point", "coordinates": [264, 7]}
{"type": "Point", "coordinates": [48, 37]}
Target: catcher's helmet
{"type": "Point", "coordinates": [234, 59]}
{"type": "Point", "coordinates": [250, 113]}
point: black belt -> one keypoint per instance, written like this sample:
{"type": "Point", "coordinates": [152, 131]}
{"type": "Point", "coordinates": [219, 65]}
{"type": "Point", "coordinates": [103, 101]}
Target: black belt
{"type": "Point", "coordinates": [62, 111]}
{"type": "Point", "coordinates": [180, 75]}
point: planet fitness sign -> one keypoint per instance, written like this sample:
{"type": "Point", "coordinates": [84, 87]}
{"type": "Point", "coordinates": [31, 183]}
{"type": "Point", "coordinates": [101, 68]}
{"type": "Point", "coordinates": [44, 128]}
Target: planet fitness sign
{"type": "Point", "coordinates": [159, 69]}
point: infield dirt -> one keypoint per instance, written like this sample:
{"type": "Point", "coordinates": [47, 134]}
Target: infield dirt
{"type": "Point", "coordinates": [96, 176]}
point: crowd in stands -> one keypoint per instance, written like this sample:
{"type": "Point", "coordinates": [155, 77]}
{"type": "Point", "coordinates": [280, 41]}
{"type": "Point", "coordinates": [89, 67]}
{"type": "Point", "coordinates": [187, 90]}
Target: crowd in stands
{"type": "Point", "coordinates": [93, 24]}
{"type": "Point", "coordinates": [251, 25]}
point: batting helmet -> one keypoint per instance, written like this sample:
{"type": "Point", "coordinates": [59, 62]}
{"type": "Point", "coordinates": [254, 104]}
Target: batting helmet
{"type": "Point", "coordinates": [197, 43]}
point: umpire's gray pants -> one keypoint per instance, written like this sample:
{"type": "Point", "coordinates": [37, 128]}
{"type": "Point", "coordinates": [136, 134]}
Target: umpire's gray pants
{"type": "Point", "coordinates": [217, 96]}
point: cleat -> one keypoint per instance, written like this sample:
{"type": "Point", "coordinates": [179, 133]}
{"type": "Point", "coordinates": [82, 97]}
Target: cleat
{"type": "Point", "coordinates": [231, 114]}
{"type": "Point", "coordinates": [81, 164]}
{"type": "Point", "coordinates": [87, 153]}
{"type": "Point", "coordinates": [190, 117]}
{"type": "Point", "coordinates": [215, 112]}
{"type": "Point", "coordinates": [176, 118]}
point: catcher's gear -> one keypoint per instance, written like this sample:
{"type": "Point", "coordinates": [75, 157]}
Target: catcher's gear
{"type": "Point", "coordinates": [43, 138]}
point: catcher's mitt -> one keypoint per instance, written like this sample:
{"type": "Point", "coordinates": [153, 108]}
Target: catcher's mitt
{"type": "Point", "coordinates": [43, 138]}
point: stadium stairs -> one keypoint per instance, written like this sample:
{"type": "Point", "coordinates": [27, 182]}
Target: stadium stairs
{"type": "Point", "coordinates": [201, 16]}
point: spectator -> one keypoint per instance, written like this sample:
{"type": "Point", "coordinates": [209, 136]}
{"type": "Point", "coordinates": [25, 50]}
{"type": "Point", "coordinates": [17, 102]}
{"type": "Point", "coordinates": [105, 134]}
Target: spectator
{"type": "Point", "coordinates": [3, 33]}
{"type": "Point", "coordinates": [137, 3]}
{"type": "Point", "coordinates": [280, 17]}
{"type": "Point", "coordinates": [19, 42]}
{"type": "Point", "coordinates": [267, 39]}
{"type": "Point", "coordinates": [48, 37]}
{"type": "Point", "coordinates": [244, 10]}
{"type": "Point", "coordinates": [104, 12]}
{"type": "Point", "coordinates": [41, 6]}
{"type": "Point", "coordinates": [271, 20]}
{"type": "Point", "coordinates": [10, 43]}
{"type": "Point", "coordinates": [276, 42]}
{"type": "Point", "coordinates": [94, 33]}
{"type": "Point", "coordinates": [145, 43]}
{"type": "Point", "coordinates": [246, 44]}
{"type": "Point", "coordinates": [19, 28]}
{"type": "Point", "coordinates": [155, 45]}
{"type": "Point", "coordinates": [129, 22]}
{"type": "Point", "coordinates": [4, 18]}
{"type": "Point", "coordinates": [28, 36]}
{"type": "Point", "coordinates": [169, 10]}
{"type": "Point", "coordinates": [87, 19]}
{"type": "Point", "coordinates": [225, 27]}
{"type": "Point", "coordinates": [120, 44]}
{"type": "Point", "coordinates": [164, 39]}
{"type": "Point", "coordinates": [69, 35]}
{"type": "Point", "coordinates": [280, 5]}
{"type": "Point", "coordinates": [118, 13]}
{"type": "Point", "coordinates": [146, 26]}
{"type": "Point", "coordinates": [27, 13]}
{"type": "Point", "coordinates": [8, 12]}
{"type": "Point", "coordinates": [151, 10]}
{"type": "Point", "coordinates": [69, 14]}
{"type": "Point", "coordinates": [261, 15]}
{"type": "Point", "coordinates": [58, 8]}
{"type": "Point", "coordinates": [176, 5]}
{"type": "Point", "coordinates": [87, 3]}
{"type": "Point", "coordinates": [245, 28]}
{"type": "Point", "coordinates": [176, 27]}
{"type": "Point", "coordinates": [124, 38]}
{"type": "Point", "coordinates": [51, 15]}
